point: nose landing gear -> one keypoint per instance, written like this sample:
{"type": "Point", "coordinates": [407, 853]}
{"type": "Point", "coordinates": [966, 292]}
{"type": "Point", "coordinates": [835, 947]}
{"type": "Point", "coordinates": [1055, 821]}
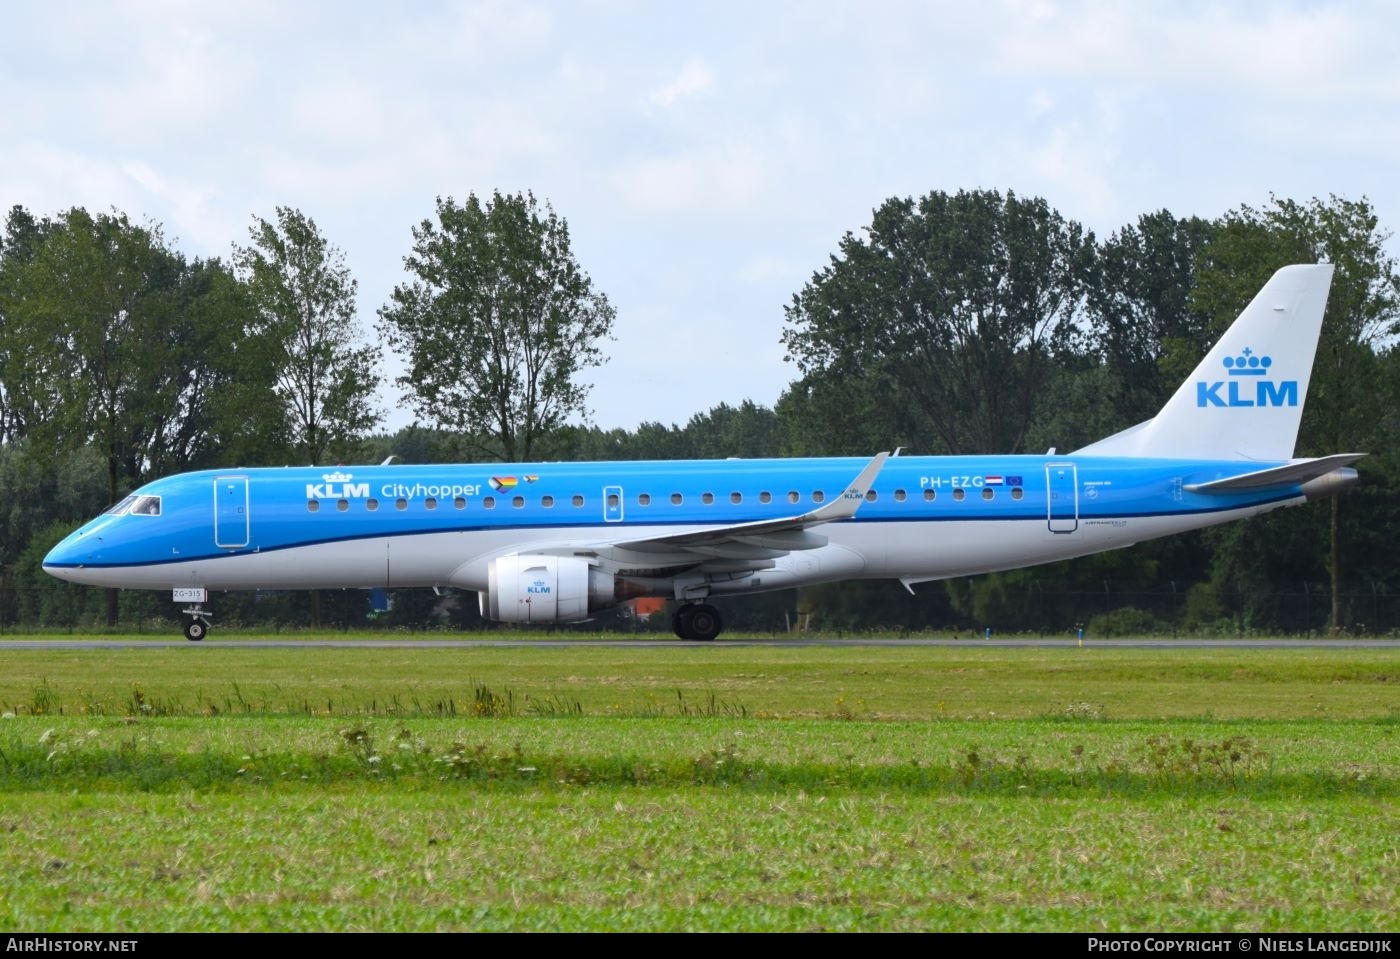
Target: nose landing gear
{"type": "Point", "coordinates": [196, 616]}
{"type": "Point", "coordinates": [196, 627]}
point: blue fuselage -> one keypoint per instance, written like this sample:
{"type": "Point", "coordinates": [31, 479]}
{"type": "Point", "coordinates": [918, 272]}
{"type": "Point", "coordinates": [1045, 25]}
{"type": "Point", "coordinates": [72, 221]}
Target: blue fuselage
{"type": "Point", "coordinates": [220, 528]}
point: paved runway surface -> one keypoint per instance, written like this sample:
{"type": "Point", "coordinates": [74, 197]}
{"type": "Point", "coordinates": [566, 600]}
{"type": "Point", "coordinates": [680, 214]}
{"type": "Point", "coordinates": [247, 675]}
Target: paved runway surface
{"type": "Point", "coordinates": [293, 643]}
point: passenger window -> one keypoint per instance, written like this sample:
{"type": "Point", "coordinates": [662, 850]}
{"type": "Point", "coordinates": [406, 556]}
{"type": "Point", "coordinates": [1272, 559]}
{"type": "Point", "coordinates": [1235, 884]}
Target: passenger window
{"type": "Point", "coordinates": [677, 499]}
{"type": "Point", "coordinates": [371, 504]}
{"type": "Point", "coordinates": [613, 501]}
{"type": "Point", "coordinates": [818, 496]}
{"type": "Point", "coordinates": [342, 505]}
{"type": "Point", "coordinates": [400, 503]}
{"type": "Point", "coordinates": [460, 502]}
{"type": "Point", "coordinates": [488, 502]}
{"type": "Point", "coordinates": [547, 502]}
{"type": "Point", "coordinates": [1017, 492]}
{"type": "Point", "coordinates": [644, 499]}
{"type": "Point", "coordinates": [929, 496]}
{"type": "Point", "coordinates": [959, 494]}
{"type": "Point", "coordinates": [577, 500]}
{"type": "Point", "coordinates": [430, 502]}
{"type": "Point", "coordinates": [517, 501]}
{"type": "Point", "coordinates": [871, 496]}
{"type": "Point", "coordinates": [736, 497]}
{"type": "Point", "coordinates": [312, 505]}
{"type": "Point", "coordinates": [793, 496]}
{"type": "Point", "coordinates": [988, 493]}
{"type": "Point", "coordinates": [899, 496]}
{"type": "Point", "coordinates": [765, 497]}
{"type": "Point", "coordinates": [707, 498]}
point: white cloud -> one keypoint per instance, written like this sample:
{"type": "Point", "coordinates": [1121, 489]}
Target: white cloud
{"type": "Point", "coordinates": [1276, 50]}
{"type": "Point", "coordinates": [1040, 103]}
{"type": "Point", "coordinates": [694, 78]}
{"type": "Point", "coordinates": [766, 267]}
{"type": "Point", "coordinates": [709, 181]}
{"type": "Point", "coordinates": [494, 30]}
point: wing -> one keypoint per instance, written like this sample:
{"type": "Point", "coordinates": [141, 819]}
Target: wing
{"type": "Point", "coordinates": [733, 550]}
{"type": "Point", "coordinates": [769, 538]}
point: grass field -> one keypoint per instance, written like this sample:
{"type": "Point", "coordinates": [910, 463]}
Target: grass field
{"type": "Point", "coordinates": [690, 787]}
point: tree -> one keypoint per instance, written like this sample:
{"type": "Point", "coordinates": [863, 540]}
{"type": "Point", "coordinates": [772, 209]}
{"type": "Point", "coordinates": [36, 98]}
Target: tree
{"type": "Point", "coordinates": [36, 492]}
{"type": "Point", "coordinates": [19, 245]}
{"type": "Point", "coordinates": [498, 323]}
{"type": "Point", "coordinates": [960, 303]}
{"type": "Point", "coordinates": [1145, 329]}
{"type": "Point", "coordinates": [91, 323]}
{"type": "Point", "coordinates": [827, 413]}
{"type": "Point", "coordinates": [748, 431]}
{"type": "Point", "coordinates": [88, 313]}
{"type": "Point", "coordinates": [305, 322]}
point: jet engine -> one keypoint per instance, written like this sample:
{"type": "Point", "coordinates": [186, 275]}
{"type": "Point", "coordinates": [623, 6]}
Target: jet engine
{"type": "Point", "coordinates": [545, 589]}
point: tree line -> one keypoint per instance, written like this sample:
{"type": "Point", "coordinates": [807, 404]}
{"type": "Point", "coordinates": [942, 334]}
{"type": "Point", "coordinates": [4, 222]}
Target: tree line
{"type": "Point", "coordinates": [970, 322]}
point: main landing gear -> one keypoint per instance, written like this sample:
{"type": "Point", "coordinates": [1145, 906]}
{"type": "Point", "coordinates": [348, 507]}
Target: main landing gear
{"type": "Point", "coordinates": [698, 621]}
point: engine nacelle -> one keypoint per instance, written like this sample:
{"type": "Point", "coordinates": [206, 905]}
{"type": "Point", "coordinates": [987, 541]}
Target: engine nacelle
{"type": "Point", "coordinates": [545, 589]}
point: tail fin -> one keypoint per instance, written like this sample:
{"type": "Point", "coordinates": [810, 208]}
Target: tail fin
{"type": "Point", "coordinates": [1245, 400]}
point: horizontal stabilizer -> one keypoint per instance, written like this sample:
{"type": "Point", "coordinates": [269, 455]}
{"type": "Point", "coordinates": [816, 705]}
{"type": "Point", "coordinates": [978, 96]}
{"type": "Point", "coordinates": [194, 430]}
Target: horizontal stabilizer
{"type": "Point", "coordinates": [1290, 474]}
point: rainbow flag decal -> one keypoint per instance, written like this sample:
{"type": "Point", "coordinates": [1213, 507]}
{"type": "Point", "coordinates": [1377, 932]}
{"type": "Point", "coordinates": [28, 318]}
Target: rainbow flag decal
{"type": "Point", "coordinates": [503, 483]}
{"type": "Point", "coordinates": [531, 477]}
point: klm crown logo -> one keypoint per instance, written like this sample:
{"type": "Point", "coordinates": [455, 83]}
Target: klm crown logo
{"type": "Point", "coordinates": [1248, 384]}
{"type": "Point", "coordinates": [337, 485]}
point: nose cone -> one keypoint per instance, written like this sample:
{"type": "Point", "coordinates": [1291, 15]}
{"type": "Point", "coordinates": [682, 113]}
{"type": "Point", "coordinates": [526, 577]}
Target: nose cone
{"type": "Point", "coordinates": [67, 559]}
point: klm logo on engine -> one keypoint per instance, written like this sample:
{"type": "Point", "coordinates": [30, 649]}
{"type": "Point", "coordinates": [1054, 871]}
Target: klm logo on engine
{"type": "Point", "coordinates": [538, 588]}
{"type": "Point", "coordinates": [337, 485]}
{"type": "Point", "coordinates": [1248, 384]}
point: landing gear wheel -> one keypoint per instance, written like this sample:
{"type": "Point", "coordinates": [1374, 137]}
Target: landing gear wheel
{"type": "Point", "coordinates": [195, 629]}
{"type": "Point", "coordinates": [700, 622]}
{"type": "Point", "coordinates": [705, 623]}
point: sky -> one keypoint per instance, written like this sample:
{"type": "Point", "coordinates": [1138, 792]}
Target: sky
{"type": "Point", "coordinates": [708, 156]}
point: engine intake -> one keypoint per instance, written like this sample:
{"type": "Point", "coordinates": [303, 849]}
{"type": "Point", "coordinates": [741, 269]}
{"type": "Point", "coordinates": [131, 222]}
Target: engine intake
{"type": "Point", "coordinates": [545, 589]}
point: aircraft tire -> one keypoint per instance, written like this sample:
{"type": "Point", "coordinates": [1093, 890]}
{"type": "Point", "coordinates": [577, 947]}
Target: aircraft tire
{"type": "Point", "coordinates": [196, 629]}
{"type": "Point", "coordinates": [703, 623]}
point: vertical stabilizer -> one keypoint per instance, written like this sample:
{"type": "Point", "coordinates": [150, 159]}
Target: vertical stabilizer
{"type": "Point", "coordinates": [1245, 400]}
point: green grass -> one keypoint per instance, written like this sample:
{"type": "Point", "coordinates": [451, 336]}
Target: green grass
{"type": "Point", "coordinates": [917, 683]}
{"type": "Point", "coordinates": [699, 788]}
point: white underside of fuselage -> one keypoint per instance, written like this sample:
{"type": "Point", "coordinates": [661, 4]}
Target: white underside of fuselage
{"type": "Point", "coordinates": [913, 551]}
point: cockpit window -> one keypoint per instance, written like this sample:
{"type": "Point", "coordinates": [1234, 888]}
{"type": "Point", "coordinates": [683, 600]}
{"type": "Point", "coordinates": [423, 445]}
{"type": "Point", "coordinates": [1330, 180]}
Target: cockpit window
{"type": "Point", "coordinates": [146, 506]}
{"type": "Point", "coordinates": [122, 507]}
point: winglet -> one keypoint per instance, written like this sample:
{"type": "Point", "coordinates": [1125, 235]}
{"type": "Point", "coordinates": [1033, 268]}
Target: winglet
{"type": "Point", "coordinates": [845, 506]}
